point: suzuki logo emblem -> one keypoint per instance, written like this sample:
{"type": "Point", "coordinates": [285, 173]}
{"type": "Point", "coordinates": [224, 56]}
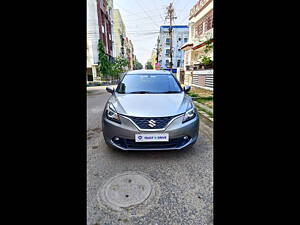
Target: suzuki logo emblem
{"type": "Point", "coordinates": [151, 123]}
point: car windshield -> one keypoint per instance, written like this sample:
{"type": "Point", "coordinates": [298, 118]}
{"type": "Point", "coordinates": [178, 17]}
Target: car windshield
{"type": "Point", "coordinates": [148, 83]}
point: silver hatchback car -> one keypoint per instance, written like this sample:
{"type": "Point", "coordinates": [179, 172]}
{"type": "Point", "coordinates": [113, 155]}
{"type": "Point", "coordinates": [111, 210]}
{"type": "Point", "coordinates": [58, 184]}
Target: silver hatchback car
{"type": "Point", "coordinates": [149, 110]}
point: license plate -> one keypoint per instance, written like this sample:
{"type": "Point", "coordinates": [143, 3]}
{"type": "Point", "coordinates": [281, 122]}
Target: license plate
{"type": "Point", "coordinates": [151, 137]}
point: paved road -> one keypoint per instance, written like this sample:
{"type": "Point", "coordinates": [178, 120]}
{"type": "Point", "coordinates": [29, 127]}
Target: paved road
{"type": "Point", "coordinates": [184, 178]}
{"type": "Point", "coordinates": [97, 97]}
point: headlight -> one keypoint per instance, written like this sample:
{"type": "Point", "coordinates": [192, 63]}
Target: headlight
{"type": "Point", "coordinates": [111, 113]}
{"type": "Point", "coordinates": [190, 113]}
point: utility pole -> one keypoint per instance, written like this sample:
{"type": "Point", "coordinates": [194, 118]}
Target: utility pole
{"type": "Point", "coordinates": [171, 17]}
{"type": "Point", "coordinates": [157, 50]}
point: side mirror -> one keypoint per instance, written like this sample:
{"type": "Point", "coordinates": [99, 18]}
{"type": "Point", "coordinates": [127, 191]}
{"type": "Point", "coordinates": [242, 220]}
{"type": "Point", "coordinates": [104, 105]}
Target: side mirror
{"type": "Point", "coordinates": [110, 90]}
{"type": "Point", "coordinates": [186, 88]}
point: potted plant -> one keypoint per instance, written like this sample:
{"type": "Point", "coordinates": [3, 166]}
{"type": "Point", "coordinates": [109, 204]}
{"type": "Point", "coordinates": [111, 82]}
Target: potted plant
{"type": "Point", "coordinates": [206, 62]}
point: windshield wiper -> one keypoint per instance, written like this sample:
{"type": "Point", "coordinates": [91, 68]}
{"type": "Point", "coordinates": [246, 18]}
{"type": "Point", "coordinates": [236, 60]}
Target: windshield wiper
{"type": "Point", "coordinates": [139, 92]}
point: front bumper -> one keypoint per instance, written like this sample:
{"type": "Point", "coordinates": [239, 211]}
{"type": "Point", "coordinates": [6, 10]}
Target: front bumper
{"type": "Point", "coordinates": [127, 129]}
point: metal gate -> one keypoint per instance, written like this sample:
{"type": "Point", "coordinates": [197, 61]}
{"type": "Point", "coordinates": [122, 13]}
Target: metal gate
{"type": "Point", "coordinates": [209, 82]}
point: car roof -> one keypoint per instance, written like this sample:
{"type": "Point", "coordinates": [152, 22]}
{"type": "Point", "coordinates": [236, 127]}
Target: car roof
{"type": "Point", "coordinates": [162, 72]}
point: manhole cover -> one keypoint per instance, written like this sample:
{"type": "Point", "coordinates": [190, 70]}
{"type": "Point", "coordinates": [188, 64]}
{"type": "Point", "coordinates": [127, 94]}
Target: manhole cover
{"type": "Point", "coordinates": [126, 190]}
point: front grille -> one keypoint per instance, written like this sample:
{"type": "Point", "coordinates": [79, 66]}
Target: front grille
{"type": "Point", "coordinates": [172, 143]}
{"type": "Point", "coordinates": [151, 123]}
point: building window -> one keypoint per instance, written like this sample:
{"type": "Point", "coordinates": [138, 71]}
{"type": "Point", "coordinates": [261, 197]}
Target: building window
{"type": "Point", "coordinates": [167, 41]}
{"type": "Point", "coordinates": [167, 63]}
{"type": "Point", "coordinates": [167, 51]}
{"type": "Point", "coordinates": [209, 23]}
{"type": "Point", "coordinates": [179, 39]}
{"type": "Point", "coordinates": [199, 30]}
{"type": "Point", "coordinates": [185, 40]}
{"type": "Point", "coordinates": [178, 63]}
{"type": "Point", "coordinates": [193, 32]}
{"type": "Point", "coordinates": [102, 29]}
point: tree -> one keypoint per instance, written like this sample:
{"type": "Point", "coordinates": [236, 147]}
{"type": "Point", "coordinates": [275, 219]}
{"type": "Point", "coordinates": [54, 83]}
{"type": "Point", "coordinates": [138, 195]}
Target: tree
{"type": "Point", "coordinates": [118, 67]}
{"type": "Point", "coordinates": [149, 66]}
{"type": "Point", "coordinates": [137, 65]}
{"type": "Point", "coordinates": [104, 66]}
{"type": "Point", "coordinates": [205, 59]}
{"type": "Point", "coordinates": [107, 68]}
{"type": "Point", "coordinates": [208, 46]}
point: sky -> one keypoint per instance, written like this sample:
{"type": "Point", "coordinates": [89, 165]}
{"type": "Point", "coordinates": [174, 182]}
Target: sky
{"type": "Point", "coordinates": [142, 19]}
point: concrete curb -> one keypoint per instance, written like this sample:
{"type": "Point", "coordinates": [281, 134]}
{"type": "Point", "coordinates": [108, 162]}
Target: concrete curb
{"type": "Point", "coordinates": [203, 106]}
{"type": "Point", "coordinates": [206, 116]}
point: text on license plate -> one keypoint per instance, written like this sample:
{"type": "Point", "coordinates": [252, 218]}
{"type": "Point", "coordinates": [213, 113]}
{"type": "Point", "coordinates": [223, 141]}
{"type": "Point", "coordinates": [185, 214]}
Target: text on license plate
{"type": "Point", "coordinates": [151, 137]}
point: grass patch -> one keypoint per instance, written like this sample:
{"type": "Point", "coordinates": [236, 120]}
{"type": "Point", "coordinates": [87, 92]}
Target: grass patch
{"type": "Point", "coordinates": [204, 98]}
{"type": "Point", "coordinates": [197, 96]}
{"type": "Point", "coordinates": [193, 95]}
{"type": "Point", "coordinates": [202, 92]}
{"type": "Point", "coordinates": [207, 98]}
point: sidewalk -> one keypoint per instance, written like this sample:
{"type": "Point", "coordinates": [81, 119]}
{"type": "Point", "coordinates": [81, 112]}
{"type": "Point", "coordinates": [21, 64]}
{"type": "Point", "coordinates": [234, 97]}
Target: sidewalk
{"type": "Point", "coordinates": [206, 127]}
{"type": "Point", "coordinates": [94, 88]}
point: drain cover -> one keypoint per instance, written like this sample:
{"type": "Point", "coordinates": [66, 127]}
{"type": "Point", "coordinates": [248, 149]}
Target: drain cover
{"type": "Point", "coordinates": [126, 190]}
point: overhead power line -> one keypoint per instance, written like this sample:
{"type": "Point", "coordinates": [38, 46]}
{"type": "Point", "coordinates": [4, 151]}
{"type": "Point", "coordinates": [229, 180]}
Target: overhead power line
{"type": "Point", "coordinates": [137, 1]}
{"type": "Point", "coordinates": [188, 2]}
{"type": "Point", "coordinates": [155, 5]}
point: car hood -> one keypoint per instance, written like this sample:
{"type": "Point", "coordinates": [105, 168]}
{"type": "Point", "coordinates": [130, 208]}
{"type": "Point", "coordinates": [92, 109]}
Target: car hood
{"type": "Point", "coordinates": [150, 105]}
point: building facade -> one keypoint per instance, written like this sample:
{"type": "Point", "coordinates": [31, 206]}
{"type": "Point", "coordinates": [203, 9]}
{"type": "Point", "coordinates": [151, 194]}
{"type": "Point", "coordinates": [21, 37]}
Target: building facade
{"type": "Point", "coordinates": [105, 22]}
{"type": "Point", "coordinates": [124, 46]}
{"type": "Point", "coordinates": [110, 4]}
{"type": "Point", "coordinates": [119, 34]}
{"type": "Point", "coordinates": [200, 31]}
{"type": "Point", "coordinates": [92, 40]}
{"type": "Point", "coordinates": [180, 34]}
{"type": "Point", "coordinates": [129, 52]}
